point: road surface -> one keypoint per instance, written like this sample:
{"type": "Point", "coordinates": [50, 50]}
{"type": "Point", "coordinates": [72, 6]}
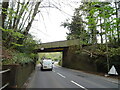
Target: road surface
{"type": "Point", "coordinates": [67, 78]}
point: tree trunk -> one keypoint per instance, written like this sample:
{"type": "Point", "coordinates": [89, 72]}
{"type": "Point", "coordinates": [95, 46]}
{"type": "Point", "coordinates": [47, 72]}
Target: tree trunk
{"type": "Point", "coordinates": [18, 6]}
{"type": "Point", "coordinates": [4, 11]}
{"type": "Point", "coordinates": [20, 41]}
{"type": "Point", "coordinates": [101, 31]}
{"type": "Point", "coordinates": [33, 16]}
{"type": "Point", "coordinates": [117, 22]}
{"type": "Point", "coordinates": [20, 14]}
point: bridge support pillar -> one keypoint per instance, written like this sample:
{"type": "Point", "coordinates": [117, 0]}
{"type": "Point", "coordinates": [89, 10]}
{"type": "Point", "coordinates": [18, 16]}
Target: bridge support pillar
{"type": "Point", "coordinates": [81, 61]}
{"type": "Point", "coordinates": [64, 58]}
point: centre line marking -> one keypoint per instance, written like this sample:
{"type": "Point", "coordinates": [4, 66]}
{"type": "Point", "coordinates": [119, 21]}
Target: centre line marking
{"type": "Point", "coordinates": [79, 85]}
{"type": "Point", "coordinates": [61, 75]}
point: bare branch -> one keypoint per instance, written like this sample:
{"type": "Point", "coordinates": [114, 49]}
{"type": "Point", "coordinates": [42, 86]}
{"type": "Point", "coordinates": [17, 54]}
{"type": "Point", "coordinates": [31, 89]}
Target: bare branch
{"type": "Point", "coordinates": [20, 14]}
{"type": "Point", "coordinates": [33, 16]}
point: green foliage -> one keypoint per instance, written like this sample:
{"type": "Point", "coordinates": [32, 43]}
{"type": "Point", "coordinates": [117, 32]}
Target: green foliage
{"type": "Point", "coordinates": [28, 45]}
{"type": "Point", "coordinates": [98, 19]}
{"type": "Point", "coordinates": [12, 36]}
{"type": "Point", "coordinates": [60, 63]}
{"type": "Point", "coordinates": [114, 52]}
{"type": "Point", "coordinates": [54, 56]}
{"type": "Point", "coordinates": [24, 52]}
{"type": "Point", "coordinates": [18, 58]}
{"type": "Point", "coordinates": [12, 33]}
{"type": "Point", "coordinates": [92, 19]}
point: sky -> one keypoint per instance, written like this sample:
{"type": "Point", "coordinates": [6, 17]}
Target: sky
{"type": "Point", "coordinates": [47, 24]}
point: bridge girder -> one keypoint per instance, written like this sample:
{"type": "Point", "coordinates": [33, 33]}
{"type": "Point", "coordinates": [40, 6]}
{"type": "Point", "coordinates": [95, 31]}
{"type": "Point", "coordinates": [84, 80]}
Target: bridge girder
{"type": "Point", "coordinates": [57, 46]}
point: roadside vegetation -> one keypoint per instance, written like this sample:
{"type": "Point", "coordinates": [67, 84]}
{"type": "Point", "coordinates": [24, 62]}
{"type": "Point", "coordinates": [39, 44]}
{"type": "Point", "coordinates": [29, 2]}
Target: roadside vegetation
{"type": "Point", "coordinates": [17, 43]}
{"type": "Point", "coordinates": [97, 24]}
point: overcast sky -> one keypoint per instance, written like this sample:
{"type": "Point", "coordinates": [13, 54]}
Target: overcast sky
{"type": "Point", "coordinates": [46, 25]}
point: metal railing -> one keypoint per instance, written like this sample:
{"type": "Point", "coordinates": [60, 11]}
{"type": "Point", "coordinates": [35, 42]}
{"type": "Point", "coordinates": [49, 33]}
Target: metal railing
{"type": "Point", "coordinates": [5, 85]}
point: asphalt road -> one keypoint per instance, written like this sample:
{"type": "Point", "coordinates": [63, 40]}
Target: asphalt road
{"type": "Point", "coordinates": [67, 78]}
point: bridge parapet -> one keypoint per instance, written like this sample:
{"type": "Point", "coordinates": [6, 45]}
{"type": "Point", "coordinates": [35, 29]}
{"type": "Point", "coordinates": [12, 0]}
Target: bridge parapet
{"type": "Point", "coordinates": [58, 44]}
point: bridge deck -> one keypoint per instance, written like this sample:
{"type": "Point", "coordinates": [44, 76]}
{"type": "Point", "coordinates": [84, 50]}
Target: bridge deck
{"type": "Point", "coordinates": [57, 44]}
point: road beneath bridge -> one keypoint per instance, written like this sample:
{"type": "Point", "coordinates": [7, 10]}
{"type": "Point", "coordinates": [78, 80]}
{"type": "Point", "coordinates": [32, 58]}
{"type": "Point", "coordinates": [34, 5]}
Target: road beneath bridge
{"type": "Point", "coordinates": [58, 46]}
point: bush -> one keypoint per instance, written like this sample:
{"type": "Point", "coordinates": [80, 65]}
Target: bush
{"type": "Point", "coordinates": [18, 58]}
{"type": "Point", "coordinates": [60, 62]}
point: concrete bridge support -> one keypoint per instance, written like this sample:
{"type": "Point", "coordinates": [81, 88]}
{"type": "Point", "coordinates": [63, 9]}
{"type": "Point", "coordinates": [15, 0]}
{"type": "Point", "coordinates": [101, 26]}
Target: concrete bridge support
{"type": "Point", "coordinates": [64, 57]}
{"type": "Point", "coordinates": [77, 61]}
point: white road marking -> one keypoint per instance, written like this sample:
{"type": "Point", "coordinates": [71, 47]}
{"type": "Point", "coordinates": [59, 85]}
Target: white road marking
{"type": "Point", "coordinates": [79, 85]}
{"type": "Point", "coordinates": [61, 75]}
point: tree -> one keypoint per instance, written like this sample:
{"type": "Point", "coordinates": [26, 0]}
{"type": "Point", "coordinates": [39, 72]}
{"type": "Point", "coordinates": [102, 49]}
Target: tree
{"type": "Point", "coordinates": [76, 28]}
{"type": "Point", "coordinates": [17, 20]}
{"type": "Point", "coordinates": [4, 10]}
{"type": "Point", "coordinates": [98, 19]}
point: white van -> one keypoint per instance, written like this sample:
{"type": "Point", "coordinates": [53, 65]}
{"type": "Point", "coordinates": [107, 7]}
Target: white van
{"type": "Point", "coordinates": [47, 64]}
